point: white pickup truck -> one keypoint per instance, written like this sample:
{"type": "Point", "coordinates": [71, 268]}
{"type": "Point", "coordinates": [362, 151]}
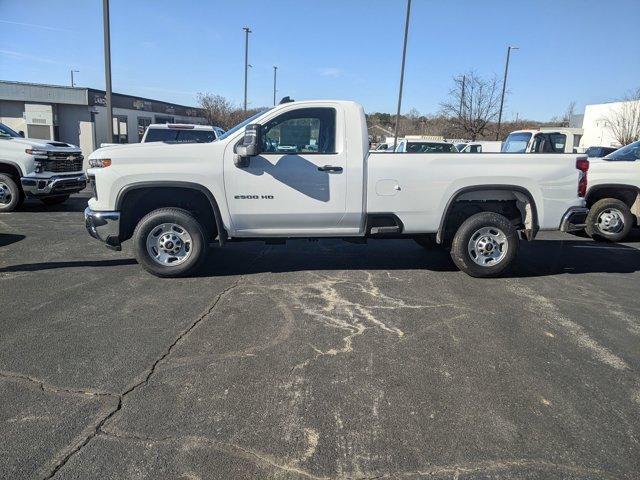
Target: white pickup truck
{"type": "Point", "coordinates": [543, 140]}
{"type": "Point", "coordinates": [613, 196]}
{"type": "Point", "coordinates": [47, 170]}
{"type": "Point", "coordinates": [174, 200]}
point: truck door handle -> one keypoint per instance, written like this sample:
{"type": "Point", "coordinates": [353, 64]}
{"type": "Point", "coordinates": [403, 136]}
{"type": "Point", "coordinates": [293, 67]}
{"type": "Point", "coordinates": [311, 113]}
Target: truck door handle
{"type": "Point", "coordinates": [330, 168]}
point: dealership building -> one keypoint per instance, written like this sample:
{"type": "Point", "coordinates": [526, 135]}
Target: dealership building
{"type": "Point", "coordinates": [79, 115]}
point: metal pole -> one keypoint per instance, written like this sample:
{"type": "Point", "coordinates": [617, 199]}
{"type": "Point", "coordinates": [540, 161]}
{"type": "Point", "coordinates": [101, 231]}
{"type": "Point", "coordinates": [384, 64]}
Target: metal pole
{"type": "Point", "coordinates": [404, 55]}
{"type": "Point", "coordinates": [107, 68]}
{"type": "Point", "coordinates": [72, 72]}
{"type": "Point", "coordinates": [504, 87]}
{"type": "Point", "coordinates": [275, 70]}
{"type": "Point", "coordinates": [464, 80]}
{"type": "Point", "coordinates": [247, 31]}
{"type": "Point", "coordinates": [71, 78]}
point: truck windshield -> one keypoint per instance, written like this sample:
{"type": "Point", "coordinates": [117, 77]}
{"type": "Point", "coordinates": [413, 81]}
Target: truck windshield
{"type": "Point", "coordinates": [179, 136]}
{"type": "Point", "coordinates": [233, 130]}
{"type": "Point", "coordinates": [6, 132]}
{"type": "Point", "coordinates": [516, 143]}
{"type": "Point", "coordinates": [630, 153]}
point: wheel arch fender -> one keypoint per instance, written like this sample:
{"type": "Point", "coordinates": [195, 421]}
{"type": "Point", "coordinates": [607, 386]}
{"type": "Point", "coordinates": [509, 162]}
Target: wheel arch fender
{"type": "Point", "coordinates": [8, 165]}
{"type": "Point", "coordinates": [122, 194]}
{"type": "Point", "coordinates": [592, 192]}
{"type": "Point", "coordinates": [519, 191]}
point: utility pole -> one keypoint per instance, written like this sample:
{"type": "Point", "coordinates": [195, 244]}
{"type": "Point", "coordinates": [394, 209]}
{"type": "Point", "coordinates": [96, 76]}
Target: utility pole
{"type": "Point", "coordinates": [464, 80]}
{"type": "Point", "coordinates": [275, 71]}
{"type": "Point", "coordinates": [404, 56]}
{"type": "Point", "coordinates": [107, 68]}
{"type": "Point", "coordinates": [504, 87]}
{"type": "Point", "coordinates": [247, 31]}
{"type": "Point", "coordinates": [72, 72]}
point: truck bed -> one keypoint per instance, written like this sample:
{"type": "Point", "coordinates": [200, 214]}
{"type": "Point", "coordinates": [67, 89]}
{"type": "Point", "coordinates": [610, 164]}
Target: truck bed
{"type": "Point", "coordinates": [417, 187]}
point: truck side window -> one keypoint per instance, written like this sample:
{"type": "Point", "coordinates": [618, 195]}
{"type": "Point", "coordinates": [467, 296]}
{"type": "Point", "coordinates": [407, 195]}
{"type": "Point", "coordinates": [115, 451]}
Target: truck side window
{"type": "Point", "coordinates": [549, 143]}
{"type": "Point", "coordinates": [306, 130]}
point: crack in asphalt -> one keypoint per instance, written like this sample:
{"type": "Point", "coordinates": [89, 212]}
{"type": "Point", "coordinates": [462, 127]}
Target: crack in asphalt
{"type": "Point", "coordinates": [97, 429]}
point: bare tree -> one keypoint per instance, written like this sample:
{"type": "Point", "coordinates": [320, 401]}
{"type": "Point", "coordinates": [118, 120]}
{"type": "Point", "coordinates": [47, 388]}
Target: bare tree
{"type": "Point", "coordinates": [564, 120]}
{"type": "Point", "coordinates": [221, 112]}
{"type": "Point", "coordinates": [623, 121]}
{"type": "Point", "coordinates": [473, 103]}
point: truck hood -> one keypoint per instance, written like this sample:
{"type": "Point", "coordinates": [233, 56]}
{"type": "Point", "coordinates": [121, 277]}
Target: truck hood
{"type": "Point", "coordinates": [44, 144]}
{"type": "Point", "coordinates": [125, 149]}
{"type": "Point", "coordinates": [139, 150]}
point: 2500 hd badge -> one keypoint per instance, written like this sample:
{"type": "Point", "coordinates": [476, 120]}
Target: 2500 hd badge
{"type": "Point", "coordinates": [253, 197]}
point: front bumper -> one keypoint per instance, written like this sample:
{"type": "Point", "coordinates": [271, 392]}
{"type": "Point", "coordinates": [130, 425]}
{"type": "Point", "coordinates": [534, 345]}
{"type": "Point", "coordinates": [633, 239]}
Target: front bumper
{"type": "Point", "coordinates": [574, 219]}
{"type": "Point", "coordinates": [105, 226]}
{"type": "Point", "coordinates": [56, 185]}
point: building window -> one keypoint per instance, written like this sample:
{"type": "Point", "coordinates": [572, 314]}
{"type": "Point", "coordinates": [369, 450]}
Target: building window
{"type": "Point", "coordinates": [120, 133]}
{"type": "Point", "coordinates": [164, 119]}
{"type": "Point", "coordinates": [143, 123]}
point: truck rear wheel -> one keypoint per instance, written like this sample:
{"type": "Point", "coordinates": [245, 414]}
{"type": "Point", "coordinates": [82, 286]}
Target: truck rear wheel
{"type": "Point", "coordinates": [10, 195]}
{"type": "Point", "coordinates": [609, 219]}
{"type": "Point", "coordinates": [485, 245]}
{"type": "Point", "coordinates": [169, 242]}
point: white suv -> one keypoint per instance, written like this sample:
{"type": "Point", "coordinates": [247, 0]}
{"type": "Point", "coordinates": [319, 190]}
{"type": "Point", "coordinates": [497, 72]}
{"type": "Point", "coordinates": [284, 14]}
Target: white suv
{"type": "Point", "coordinates": [181, 133]}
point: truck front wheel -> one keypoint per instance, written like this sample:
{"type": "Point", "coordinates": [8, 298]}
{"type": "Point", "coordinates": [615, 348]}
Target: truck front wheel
{"type": "Point", "coordinates": [485, 245]}
{"type": "Point", "coordinates": [609, 219]}
{"type": "Point", "coordinates": [10, 195]}
{"type": "Point", "coordinates": [169, 242]}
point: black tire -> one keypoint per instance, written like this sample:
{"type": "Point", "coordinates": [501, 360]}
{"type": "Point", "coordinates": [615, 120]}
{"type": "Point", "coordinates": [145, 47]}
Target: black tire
{"type": "Point", "coordinates": [427, 242]}
{"type": "Point", "coordinates": [460, 248]}
{"type": "Point", "coordinates": [182, 218]}
{"type": "Point", "coordinates": [596, 224]}
{"type": "Point", "coordinates": [54, 200]}
{"type": "Point", "coordinates": [10, 196]}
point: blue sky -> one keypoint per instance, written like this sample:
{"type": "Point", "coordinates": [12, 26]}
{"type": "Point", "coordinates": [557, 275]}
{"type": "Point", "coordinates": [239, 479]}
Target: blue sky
{"type": "Point", "coordinates": [587, 51]}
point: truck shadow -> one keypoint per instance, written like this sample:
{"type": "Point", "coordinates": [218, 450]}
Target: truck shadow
{"type": "Point", "coordinates": [538, 258]}
{"type": "Point", "coordinates": [9, 238]}
{"type": "Point", "coordinates": [535, 259]}
{"type": "Point", "coordinates": [75, 203]}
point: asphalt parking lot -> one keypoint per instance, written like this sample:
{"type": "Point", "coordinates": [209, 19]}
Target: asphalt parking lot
{"type": "Point", "coordinates": [314, 360]}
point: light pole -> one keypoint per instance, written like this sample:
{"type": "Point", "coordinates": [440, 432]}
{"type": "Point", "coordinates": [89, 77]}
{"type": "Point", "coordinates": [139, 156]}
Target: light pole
{"type": "Point", "coordinates": [464, 80]}
{"type": "Point", "coordinates": [247, 31]}
{"type": "Point", "coordinates": [72, 72]}
{"type": "Point", "coordinates": [275, 72]}
{"type": "Point", "coordinates": [504, 87]}
{"type": "Point", "coordinates": [404, 55]}
{"type": "Point", "coordinates": [107, 68]}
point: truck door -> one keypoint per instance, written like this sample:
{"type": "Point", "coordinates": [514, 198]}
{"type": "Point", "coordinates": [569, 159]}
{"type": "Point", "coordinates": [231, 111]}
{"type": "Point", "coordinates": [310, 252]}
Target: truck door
{"type": "Point", "coordinates": [297, 184]}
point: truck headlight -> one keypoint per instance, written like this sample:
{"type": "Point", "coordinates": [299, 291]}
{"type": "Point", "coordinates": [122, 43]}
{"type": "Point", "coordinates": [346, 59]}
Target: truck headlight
{"type": "Point", "coordinates": [36, 153]}
{"type": "Point", "coordinates": [38, 168]}
{"type": "Point", "coordinates": [99, 162]}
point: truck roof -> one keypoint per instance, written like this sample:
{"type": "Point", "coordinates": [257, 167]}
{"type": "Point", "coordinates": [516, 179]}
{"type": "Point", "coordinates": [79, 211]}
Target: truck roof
{"type": "Point", "coordinates": [578, 131]}
{"type": "Point", "coordinates": [178, 126]}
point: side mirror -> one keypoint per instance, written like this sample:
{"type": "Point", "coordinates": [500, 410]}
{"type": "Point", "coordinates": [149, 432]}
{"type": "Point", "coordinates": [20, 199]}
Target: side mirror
{"type": "Point", "coordinates": [250, 146]}
{"type": "Point", "coordinates": [21, 133]}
